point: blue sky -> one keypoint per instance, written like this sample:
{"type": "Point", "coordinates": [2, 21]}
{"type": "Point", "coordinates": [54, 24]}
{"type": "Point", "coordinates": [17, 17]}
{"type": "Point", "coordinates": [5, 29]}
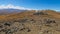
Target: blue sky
{"type": "Point", "coordinates": [34, 4]}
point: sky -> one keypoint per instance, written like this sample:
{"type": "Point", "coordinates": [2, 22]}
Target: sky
{"type": "Point", "coordinates": [32, 4]}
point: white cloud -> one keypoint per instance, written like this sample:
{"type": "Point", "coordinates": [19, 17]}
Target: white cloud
{"type": "Point", "coordinates": [14, 7]}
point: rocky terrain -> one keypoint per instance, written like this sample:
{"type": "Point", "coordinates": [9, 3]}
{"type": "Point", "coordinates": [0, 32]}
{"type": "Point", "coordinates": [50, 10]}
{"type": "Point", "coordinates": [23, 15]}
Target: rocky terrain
{"type": "Point", "coordinates": [31, 22]}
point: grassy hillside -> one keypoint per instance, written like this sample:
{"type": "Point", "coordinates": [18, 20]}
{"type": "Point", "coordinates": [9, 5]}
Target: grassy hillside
{"type": "Point", "coordinates": [31, 22]}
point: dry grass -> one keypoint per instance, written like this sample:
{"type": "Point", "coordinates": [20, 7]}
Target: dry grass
{"type": "Point", "coordinates": [30, 23]}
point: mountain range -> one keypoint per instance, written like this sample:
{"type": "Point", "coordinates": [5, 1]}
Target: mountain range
{"type": "Point", "coordinates": [10, 11]}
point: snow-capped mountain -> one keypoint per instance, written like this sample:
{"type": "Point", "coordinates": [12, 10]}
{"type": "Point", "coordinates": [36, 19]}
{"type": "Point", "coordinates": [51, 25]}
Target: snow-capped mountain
{"type": "Point", "coordinates": [9, 6]}
{"type": "Point", "coordinates": [6, 9]}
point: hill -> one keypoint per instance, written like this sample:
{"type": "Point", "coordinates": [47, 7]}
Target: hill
{"type": "Point", "coordinates": [10, 11]}
{"type": "Point", "coordinates": [31, 22]}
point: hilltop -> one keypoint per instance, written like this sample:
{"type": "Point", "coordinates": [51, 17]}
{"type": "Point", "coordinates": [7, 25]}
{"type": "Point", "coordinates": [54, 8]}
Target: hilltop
{"type": "Point", "coordinates": [31, 22]}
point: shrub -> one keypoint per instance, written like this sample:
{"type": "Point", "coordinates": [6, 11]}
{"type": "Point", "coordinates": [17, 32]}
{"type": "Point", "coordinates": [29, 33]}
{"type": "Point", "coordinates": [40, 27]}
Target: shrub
{"type": "Point", "coordinates": [40, 13]}
{"type": "Point", "coordinates": [48, 21]}
{"type": "Point", "coordinates": [7, 24]}
{"type": "Point", "coordinates": [8, 31]}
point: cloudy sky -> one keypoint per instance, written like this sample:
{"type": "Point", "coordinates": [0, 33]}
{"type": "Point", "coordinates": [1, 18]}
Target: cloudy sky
{"type": "Point", "coordinates": [31, 4]}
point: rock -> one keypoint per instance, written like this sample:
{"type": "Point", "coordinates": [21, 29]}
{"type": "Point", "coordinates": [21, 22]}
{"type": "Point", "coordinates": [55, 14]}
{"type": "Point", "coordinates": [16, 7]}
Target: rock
{"type": "Point", "coordinates": [40, 13]}
{"type": "Point", "coordinates": [7, 24]}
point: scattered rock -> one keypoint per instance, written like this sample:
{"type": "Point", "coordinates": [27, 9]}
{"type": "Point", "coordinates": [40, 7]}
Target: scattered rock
{"type": "Point", "coordinates": [40, 13]}
{"type": "Point", "coordinates": [8, 31]}
{"type": "Point", "coordinates": [49, 21]}
{"type": "Point", "coordinates": [28, 30]}
{"type": "Point", "coordinates": [7, 24]}
{"type": "Point", "coordinates": [22, 29]}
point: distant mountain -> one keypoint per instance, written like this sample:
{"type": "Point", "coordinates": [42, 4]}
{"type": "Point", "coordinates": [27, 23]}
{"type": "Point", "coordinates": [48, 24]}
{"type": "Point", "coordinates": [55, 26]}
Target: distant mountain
{"type": "Point", "coordinates": [9, 11]}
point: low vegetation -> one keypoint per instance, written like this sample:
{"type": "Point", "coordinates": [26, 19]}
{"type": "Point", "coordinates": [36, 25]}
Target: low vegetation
{"type": "Point", "coordinates": [31, 22]}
